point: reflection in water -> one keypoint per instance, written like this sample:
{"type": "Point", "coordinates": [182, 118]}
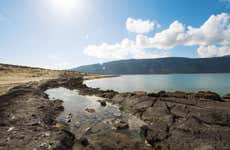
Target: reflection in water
{"type": "Point", "coordinates": [174, 82]}
{"type": "Point", "coordinates": [100, 120]}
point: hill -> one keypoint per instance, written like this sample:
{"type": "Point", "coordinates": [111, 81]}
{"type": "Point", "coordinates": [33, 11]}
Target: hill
{"type": "Point", "coordinates": [167, 65]}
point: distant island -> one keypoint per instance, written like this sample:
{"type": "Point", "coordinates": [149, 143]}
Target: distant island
{"type": "Point", "coordinates": [169, 65]}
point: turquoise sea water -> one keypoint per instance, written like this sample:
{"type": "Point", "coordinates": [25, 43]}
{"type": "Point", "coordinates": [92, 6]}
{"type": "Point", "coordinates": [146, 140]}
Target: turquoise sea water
{"type": "Point", "coordinates": [219, 83]}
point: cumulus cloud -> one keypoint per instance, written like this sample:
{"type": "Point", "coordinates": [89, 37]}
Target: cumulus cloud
{"type": "Point", "coordinates": [116, 51]}
{"type": "Point", "coordinates": [140, 26]}
{"type": "Point", "coordinates": [125, 49]}
{"type": "Point", "coordinates": [214, 31]}
{"type": "Point", "coordinates": [165, 39]}
{"type": "Point", "coordinates": [213, 51]}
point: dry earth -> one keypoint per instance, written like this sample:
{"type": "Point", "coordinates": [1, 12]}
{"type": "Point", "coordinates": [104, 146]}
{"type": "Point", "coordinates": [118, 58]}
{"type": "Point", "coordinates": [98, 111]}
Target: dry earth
{"type": "Point", "coordinates": [12, 75]}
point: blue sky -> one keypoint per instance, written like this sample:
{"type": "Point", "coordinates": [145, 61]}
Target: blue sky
{"type": "Point", "coordinates": [68, 33]}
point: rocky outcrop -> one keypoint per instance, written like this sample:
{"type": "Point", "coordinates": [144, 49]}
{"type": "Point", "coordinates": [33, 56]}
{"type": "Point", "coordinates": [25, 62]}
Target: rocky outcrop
{"type": "Point", "coordinates": [226, 97]}
{"type": "Point", "coordinates": [84, 90]}
{"type": "Point", "coordinates": [110, 141]}
{"type": "Point", "coordinates": [71, 83]}
{"type": "Point", "coordinates": [181, 120]}
{"type": "Point", "coordinates": [28, 118]}
{"type": "Point", "coordinates": [177, 120]}
{"type": "Point", "coordinates": [208, 95]}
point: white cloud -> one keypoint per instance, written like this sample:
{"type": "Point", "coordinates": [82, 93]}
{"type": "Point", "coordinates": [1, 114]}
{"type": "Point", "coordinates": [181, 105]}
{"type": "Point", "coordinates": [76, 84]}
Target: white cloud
{"type": "Point", "coordinates": [214, 31]}
{"type": "Point", "coordinates": [140, 26]}
{"type": "Point", "coordinates": [213, 51]}
{"type": "Point", "coordinates": [165, 39]}
{"type": "Point", "coordinates": [116, 51]}
{"type": "Point", "coordinates": [122, 50]}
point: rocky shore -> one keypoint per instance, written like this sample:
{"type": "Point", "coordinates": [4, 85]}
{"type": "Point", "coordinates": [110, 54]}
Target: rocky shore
{"type": "Point", "coordinates": [174, 120]}
{"type": "Point", "coordinates": [177, 120]}
{"type": "Point", "coordinates": [28, 119]}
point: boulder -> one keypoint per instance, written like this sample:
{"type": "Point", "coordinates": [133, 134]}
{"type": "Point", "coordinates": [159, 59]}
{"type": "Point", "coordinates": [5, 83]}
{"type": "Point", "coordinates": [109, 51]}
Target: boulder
{"type": "Point", "coordinates": [208, 95]}
{"type": "Point", "coordinates": [84, 141]}
{"type": "Point", "coordinates": [153, 95]}
{"type": "Point", "coordinates": [120, 124]}
{"type": "Point", "coordinates": [102, 102]}
{"type": "Point", "coordinates": [162, 94]}
{"type": "Point", "coordinates": [90, 110]}
{"type": "Point", "coordinates": [140, 93]}
{"type": "Point", "coordinates": [227, 96]}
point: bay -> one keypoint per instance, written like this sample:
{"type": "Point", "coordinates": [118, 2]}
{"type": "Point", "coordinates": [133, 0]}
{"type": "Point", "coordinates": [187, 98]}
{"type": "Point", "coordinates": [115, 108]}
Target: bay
{"type": "Point", "coordinates": [218, 82]}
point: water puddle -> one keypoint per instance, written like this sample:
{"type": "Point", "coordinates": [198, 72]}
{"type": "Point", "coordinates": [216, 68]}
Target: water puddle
{"type": "Point", "coordinates": [86, 116]}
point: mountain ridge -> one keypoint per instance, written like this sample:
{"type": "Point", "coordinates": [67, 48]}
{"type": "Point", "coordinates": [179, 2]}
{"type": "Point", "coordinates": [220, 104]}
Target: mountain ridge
{"type": "Point", "coordinates": [167, 65]}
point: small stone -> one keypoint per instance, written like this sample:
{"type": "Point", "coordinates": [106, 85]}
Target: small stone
{"type": "Point", "coordinates": [77, 124]}
{"type": "Point", "coordinates": [69, 114]}
{"type": "Point", "coordinates": [60, 125]}
{"type": "Point", "coordinates": [144, 130]}
{"type": "Point", "coordinates": [90, 110]}
{"type": "Point", "coordinates": [113, 128]}
{"type": "Point", "coordinates": [139, 93]}
{"type": "Point", "coordinates": [87, 129]}
{"type": "Point", "coordinates": [46, 134]}
{"type": "Point", "coordinates": [147, 143]}
{"type": "Point", "coordinates": [13, 117]}
{"type": "Point", "coordinates": [68, 120]}
{"type": "Point", "coordinates": [103, 103]}
{"type": "Point", "coordinates": [59, 108]}
{"type": "Point", "coordinates": [21, 137]}
{"type": "Point", "coordinates": [117, 114]}
{"type": "Point", "coordinates": [34, 123]}
{"type": "Point", "coordinates": [227, 96]}
{"type": "Point", "coordinates": [84, 141]}
{"type": "Point", "coordinates": [8, 139]}
{"type": "Point", "coordinates": [10, 129]}
{"type": "Point", "coordinates": [120, 124]}
{"type": "Point", "coordinates": [44, 145]}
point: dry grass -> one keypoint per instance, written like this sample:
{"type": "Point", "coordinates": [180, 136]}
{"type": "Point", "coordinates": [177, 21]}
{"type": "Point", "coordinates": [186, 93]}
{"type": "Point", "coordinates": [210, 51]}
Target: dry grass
{"type": "Point", "coordinates": [12, 75]}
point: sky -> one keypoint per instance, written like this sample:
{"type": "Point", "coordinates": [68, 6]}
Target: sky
{"type": "Point", "coordinates": [62, 34]}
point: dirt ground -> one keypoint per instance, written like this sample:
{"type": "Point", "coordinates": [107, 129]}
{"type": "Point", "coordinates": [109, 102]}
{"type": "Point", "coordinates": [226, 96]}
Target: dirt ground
{"type": "Point", "coordinates": [12, 75]}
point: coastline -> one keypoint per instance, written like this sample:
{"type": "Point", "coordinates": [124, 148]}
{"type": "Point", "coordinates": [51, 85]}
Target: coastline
{"type": "Point", "coordinates": [93, 77]}
{"type": "Point", "coordinates": [186, 114]}
{"type": "Point", "coordinates": [170, 83]}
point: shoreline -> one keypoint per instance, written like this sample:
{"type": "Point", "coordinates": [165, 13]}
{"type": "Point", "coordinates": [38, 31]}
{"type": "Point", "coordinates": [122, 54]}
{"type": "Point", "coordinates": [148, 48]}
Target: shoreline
{"type": "Point", "coordinates": [94, 77]}
{"type": "Point", "coordinates": [120, 90]}
{"type": "Point", "coordinates": [175, 113]}
{"type": "Point", "coordinates": [170, 107]}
